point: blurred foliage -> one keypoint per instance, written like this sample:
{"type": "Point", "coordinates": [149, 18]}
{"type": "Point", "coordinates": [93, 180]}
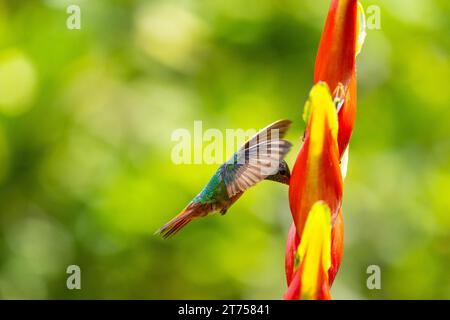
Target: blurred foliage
{"type": "Point", "coordinates": [86, 118]}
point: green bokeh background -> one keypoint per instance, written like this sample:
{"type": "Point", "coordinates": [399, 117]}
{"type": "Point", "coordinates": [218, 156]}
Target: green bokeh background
{"type": "Point", "coordinates": [86, 118]}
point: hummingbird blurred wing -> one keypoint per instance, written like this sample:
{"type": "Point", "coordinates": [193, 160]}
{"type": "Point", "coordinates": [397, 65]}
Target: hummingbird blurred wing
{"type": "Point", "coordinates": [258, 158]}
{"type": "Point", "coordinates": [276, 130]}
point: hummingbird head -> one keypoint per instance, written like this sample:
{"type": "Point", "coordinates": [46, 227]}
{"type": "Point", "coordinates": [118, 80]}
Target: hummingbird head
{"type": "Point", "coordinates": [283, 174]}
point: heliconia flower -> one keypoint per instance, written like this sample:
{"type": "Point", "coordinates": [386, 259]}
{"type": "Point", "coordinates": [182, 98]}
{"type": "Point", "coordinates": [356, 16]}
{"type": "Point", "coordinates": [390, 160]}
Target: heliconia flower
{"type": "Point", "coordinates": [313, 257]}
{"type": "Point", "coordinates": [341, 41]}
{"type": "Point", "coordinates": [316, 174]}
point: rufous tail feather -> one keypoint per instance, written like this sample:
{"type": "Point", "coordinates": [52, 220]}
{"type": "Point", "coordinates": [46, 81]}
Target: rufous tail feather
{"type": "Point", "coordinates": [177, 223]}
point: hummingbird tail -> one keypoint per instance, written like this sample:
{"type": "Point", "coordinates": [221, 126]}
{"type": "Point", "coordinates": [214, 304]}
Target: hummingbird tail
{"type": "Point", "coordinates": [177, 223]}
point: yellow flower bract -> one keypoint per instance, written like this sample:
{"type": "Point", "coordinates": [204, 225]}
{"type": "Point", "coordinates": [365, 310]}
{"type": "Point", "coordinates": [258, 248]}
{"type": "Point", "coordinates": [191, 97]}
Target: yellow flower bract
{"type": "Point", "coordinates": [315, 249]}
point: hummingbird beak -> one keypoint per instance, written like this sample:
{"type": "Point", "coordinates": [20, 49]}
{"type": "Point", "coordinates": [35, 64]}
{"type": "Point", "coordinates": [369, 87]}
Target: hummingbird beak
{"type": "Point", "coordinates": [286, 179]}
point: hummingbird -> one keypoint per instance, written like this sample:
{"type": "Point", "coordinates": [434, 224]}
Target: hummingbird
{"type": "Point", "coordinates": [260, 158]}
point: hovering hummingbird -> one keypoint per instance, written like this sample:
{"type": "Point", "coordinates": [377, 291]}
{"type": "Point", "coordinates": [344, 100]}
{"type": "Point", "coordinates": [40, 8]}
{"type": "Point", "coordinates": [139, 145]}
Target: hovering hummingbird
{"type": "Point", "coordinates": [260, 158]}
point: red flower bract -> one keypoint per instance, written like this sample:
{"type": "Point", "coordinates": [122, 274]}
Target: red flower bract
{"type": "Point", "coordinates": [316, 174]}
{"type": "Point", "coordinates": [335, 61]}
